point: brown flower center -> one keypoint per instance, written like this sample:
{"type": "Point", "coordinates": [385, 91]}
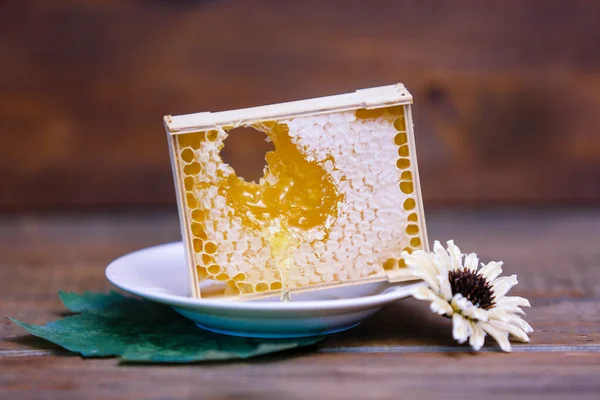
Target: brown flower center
{"type": "Point", "coordinates": [473, 286]}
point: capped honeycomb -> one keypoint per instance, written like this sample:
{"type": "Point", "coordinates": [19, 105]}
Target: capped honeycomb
{"type": "Point", "coordinates": [337, 204]}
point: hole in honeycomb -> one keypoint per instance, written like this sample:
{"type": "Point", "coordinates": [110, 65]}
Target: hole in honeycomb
{"type": "Point", "coordinates": [240, 277]}
{"type": "Point", "coordinates": [400, 124]}
{"type": "Point", "coordinates": [403, 163]}
{"type": "Point", "coordinates": [196, 139]}
{"type": "Point", "coordinates": [401, 263]}
{"type": "Point", "coordinates": [406, 176]}
{"type": "Point", "coordinates": [415, 242]}
{"type": "Point", "coordinates": [210, 247]}
{"type": "Point", "coordinates": [390, 264]}
{"type": "Point", "coordinates": [412, 217]}
{"type": "Point", "coordinates": [276, 286]}
{"type": "Point", "coordinates": [188, 183]}
{"type": "Point", "coordinates": [245, 150]}
{"type": "Point", "coordinates": [187, 155]}
{"type": "Point", "coordinates": [207, 259]}
{"type": "Point", "coordinates": [214, 269]}
{"type": "Point", "coordinates": [191, 200]}
{"type": "Point", "coordinates": [262, 287]}
{"type": "Point", "coordinates": [192, 169]}
{"type": "Point", "coordinates": [403, 151]}
{"type": "Point", "coordinates": [412, 229]}
{"type": "Point", "coordinates": [400, 139]}
{"type": "Point", "coordinates": [198, 245]}
{"type": "Point", "coordinates": [183, 140]}
{"type": "Point", "coordinates": [407, 187]}
{"type": "Point", "coordinates": [409, 250]}
{"type": "Point", "coordinates": [409, 204]}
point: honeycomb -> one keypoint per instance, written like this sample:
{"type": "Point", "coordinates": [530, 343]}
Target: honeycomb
{"type": "Point", "coordinates": [337, 204]}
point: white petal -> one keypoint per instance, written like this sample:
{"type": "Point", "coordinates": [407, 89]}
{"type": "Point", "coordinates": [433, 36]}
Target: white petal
{"type": "Point", "coordinates": [520, 322]}
{"type": "Point", "coordinates": [471, 262]}
{"type": "Point", "coordinates": [445, 288]}
{"type": "Point", "coordinates": [500, 336]}
{"type": "Point", "coordinates": [424, 293]}
{"type": "Point", "coordinates": [513, 301]}
{"type": "Point", "coordinates": [420, 268]}
{"type": "Point", "coordinates": [477, 336]}
{"type": "Point", "coordinates": [502, 285]}
{"type": "Point", "coordinates": [460, 328]}
{"type": "Point", "coordinates": [515, 331]}
{"type": "Point", "coordinates": [441, 258]}
{"type": "Point", "coordinates": [441, 307]}
{"type": "Point", "coordinates": [455, 255]}
{"type": "Point", "coordinates": [491, 270]}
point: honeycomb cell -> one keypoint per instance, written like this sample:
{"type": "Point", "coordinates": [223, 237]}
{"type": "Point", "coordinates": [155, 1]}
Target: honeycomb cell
{"type": "Point", "coordinates": [413, 217]}
{"type": "Point", "coordinates": [400, 124]}
{"type": "Point", "coordinates": [403, 151]}
{"type": "Point", "coordinates": [191, 200]}
{"type": "Point", "coordinates": [222, 277]}
{"type": "Point", "coordinates": [406, 176]}
{"type": "Point", "coordinates": [390, 264]}
{"type": "Point", "coordinates": [183, 140]}
{"type": "Point", "coordinates": [396, 110]}
{"type": "Point", "coordinates": [276, 285]}
{"type": "Point", "coordinates": [188, 183]}
{"type": "Point", "coordinates": [412, 229]}
{"type": "Point", "coordinates": [407, 187]}
{"type": "Point", "coordinates": [262, 287]}
{"type": "Point", "coordinates": [231, 289]}
{"type": "Point", "coordinates": [201, 272]}
{"type": "Point", "coordinates": [207, 259]}
{"type": "Point", "coordinates": [210, 247]}
{"type": "Point", "coordinates": [192, 169]}
{"type": "Point", "coordinates": [214, 269]}
{"type": "Point", "coordinates": [198, 231]}
{"type": "Point", "coordinates": [187, 155]}
{"type": "Point", "coordinates": [415, 242]}
{"type": "Point", "coordinates": [400, 139]}
{"type": "Point", "coordinates": [409, 204]}
{"type": "Point", "coordinates": [198, 215]}
{"type": "Point", "coordinates": [196, 140]}
{"type": "Point", "coordinates": [239, 277]}
{"type": "Point", "coordinates": [198, 245]}
{"type": "Point", "coordinates": [364, 113]}
{"type": "Point", "coordinates": [409, 250]}
{"type": "Point", "coordinates": [212, 136]}
{"type": "Point", "coordinates": [403, 163]}
{"type": "Point", "coordinates": [245, 288]}
{"type": "Point", "coordinates": [401, 263]}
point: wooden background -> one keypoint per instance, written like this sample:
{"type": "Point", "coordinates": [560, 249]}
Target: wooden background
{"type": "Point", "coordinates": [507, 93]}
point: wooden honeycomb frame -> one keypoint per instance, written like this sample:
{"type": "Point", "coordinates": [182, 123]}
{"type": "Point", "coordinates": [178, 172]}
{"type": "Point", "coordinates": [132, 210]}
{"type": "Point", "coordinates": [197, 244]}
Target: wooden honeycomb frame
{"type": "Point", "coordinates": [186, 131]}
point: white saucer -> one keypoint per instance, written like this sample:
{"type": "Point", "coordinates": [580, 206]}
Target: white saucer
{"type": "Point", "coordinates": [159, 273]}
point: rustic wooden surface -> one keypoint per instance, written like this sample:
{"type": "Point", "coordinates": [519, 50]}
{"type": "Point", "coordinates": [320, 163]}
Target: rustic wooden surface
{"type": "Point", "coordinates": [402, 352]}
{"type": "Point", "coordinates": [506, 91]}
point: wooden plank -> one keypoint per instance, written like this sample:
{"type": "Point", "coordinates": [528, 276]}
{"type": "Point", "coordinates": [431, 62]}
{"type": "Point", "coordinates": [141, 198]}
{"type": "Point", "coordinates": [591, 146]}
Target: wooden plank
{"type": "Point", "coordinates": [297, 376]}
{"type": "Point", "coordinates": [506, 95]}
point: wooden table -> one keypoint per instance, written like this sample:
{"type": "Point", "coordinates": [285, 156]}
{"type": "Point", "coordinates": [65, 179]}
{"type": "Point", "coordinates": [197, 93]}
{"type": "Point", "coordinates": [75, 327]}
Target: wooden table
{"type": "Point", "coordinates": [402, 352]}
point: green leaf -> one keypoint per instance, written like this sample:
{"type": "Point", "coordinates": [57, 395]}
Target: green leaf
{"type": "Point", "coordinates": [143, 331]}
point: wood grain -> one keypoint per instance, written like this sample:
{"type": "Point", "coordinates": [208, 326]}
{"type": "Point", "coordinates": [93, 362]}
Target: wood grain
{"type": "Point", "coordinates": [403, 349]}
{"type": "Point", "coordinates": [506, 91]}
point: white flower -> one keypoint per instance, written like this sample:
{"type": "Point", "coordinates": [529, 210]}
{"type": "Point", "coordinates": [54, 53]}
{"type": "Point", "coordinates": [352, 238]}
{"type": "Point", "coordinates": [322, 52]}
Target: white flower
{"type": "Point", "coordinates": [474, 298]}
